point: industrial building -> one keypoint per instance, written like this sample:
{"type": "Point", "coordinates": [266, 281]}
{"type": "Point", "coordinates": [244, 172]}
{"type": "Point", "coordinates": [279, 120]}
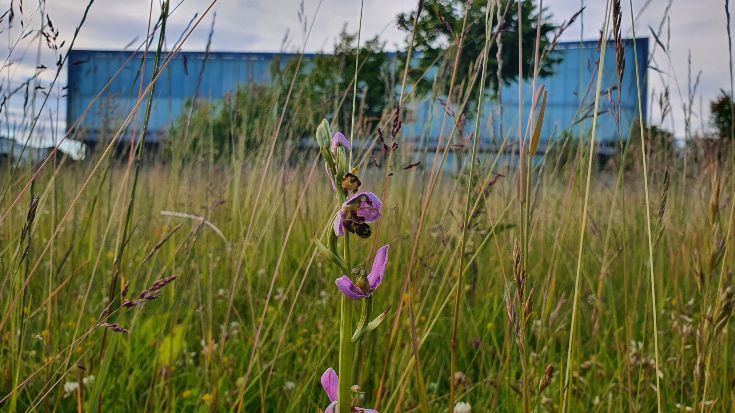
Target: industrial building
{"type": "Point", "coordinates": [96, 108]}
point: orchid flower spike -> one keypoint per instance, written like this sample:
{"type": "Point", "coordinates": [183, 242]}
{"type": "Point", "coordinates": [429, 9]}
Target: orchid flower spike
{"type": "Point", "coordinates": [330, 383]}
{"type": "Point", "coordinates": [356, 213]}
{"type": "Point", "coordinates": [365, 286]}
{"type": "Point", "coordinates": [339, 140]}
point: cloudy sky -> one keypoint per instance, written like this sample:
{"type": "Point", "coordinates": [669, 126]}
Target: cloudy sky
{"type": "Point", "coordinates": [696, 27]}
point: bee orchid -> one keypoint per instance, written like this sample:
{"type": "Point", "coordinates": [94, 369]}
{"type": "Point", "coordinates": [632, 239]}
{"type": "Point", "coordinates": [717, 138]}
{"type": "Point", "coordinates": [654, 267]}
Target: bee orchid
{"type": "Point", "coordinates": [363, 287]}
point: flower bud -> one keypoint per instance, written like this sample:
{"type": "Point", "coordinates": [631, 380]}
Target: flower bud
{"type": "Point", "coordinates": [341, 162]}
{"type": "Point", "coordinates": [323, 135]}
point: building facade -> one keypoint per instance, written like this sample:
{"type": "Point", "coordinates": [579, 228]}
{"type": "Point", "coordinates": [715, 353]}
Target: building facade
{"type": "Point", "coordinates": [103, 87]}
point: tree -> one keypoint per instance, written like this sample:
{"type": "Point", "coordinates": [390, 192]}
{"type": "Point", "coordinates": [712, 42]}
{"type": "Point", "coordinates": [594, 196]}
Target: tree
{"type": "Point", "coordinates": [721, 110]}
{"type": "Point", "coordinates": [439, 27]}
{"type": "Point", "coordinates": [325, 82]}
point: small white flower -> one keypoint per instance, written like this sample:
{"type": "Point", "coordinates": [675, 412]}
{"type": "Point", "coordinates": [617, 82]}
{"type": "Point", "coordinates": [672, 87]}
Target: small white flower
{"type": "Point", "coordinates": [208, 347]}
{"type": "Point", "coordinates": [279, 294]}
{"type": "Point", "coordinates": [234, 328]}
{"type": "Point", "coordinates": [462, 407]}
{"type": "Point", "coordinates": [70, 387]}
{"type": "Point", "coordinates": [89, 380]}
{"type": "Point", "coordinates": [289, 385]}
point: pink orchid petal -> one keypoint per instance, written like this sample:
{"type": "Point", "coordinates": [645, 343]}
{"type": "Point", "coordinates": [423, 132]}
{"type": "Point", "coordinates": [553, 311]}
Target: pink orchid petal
{"type": "Point", "coordinates": [330, 382]}
{"type": "Point", "coordinates": [332, 408]}
{"type": "Point", "coordinates": [339, 140]}
{"type": "Point", "coordinates": [339, 227]}
{"type": "Point", "coordinates": [375, 278]}
{"type": "Point", "coordinates": [371, 210]}
{"type": "Point", "coordinates": [369, 214]}
{"type": "Point", "coordinates": [377, 204]}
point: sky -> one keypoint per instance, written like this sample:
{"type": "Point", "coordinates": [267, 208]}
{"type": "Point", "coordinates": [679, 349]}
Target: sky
{"type": "Point", "coordinates": [692, 27]}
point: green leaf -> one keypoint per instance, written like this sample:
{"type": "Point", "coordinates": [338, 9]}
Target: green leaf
{"type": "Point", "coordinates": [370, 326]}
{"type": "Point", "coordinates": [539, 122]}
{"type": "Point", "coordinates": [326, 252]}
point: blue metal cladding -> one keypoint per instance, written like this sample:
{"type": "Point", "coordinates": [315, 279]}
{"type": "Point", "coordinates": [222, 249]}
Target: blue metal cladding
{"type": "Point", "coordinates": [210, 77]}
{"type": "Point", "coordinates": [571, 93]}
{"type": "Point", "coordinates": [570, 102]}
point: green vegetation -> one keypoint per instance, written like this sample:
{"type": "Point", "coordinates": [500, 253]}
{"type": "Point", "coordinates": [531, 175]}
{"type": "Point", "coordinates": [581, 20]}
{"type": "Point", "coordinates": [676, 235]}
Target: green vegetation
{"type": "Point", "coordinates": [443, 23]}
{"type": "Point", "coordinates": [722, 112]}
{"type": "Point", "coordinates": [189, 349]}
{"type": "Point", "coordinates": [515, 284]}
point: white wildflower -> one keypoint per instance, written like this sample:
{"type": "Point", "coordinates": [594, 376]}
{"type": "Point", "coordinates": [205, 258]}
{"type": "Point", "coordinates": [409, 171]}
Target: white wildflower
{"type": "Point", "coordinates": [70, 387]}
{"type": "Point", "coordinates": [462, 407]}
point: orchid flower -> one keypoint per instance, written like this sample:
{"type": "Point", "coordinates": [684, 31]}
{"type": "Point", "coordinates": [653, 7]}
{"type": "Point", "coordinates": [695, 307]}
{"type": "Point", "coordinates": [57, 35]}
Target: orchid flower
{"type": "Point", "coordinates": [330, 383]}
{"type": "Point", "coordinates": [365, 286]}
{"type": "Point", "coordinates": [357, 211]}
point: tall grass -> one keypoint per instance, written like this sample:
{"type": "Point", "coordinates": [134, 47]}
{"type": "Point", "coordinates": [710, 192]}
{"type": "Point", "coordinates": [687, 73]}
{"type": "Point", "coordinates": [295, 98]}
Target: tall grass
{"type": "Point", "coordinates": [501, 273]}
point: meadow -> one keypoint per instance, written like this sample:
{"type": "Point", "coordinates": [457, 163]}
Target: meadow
{"type": "Point", "coordinates": [200, 281]}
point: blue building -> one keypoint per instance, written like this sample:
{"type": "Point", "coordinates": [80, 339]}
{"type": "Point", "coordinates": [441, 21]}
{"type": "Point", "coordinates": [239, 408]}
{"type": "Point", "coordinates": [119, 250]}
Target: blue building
{"type": "Point", "coordinates": [570, 102]}
{"type": "Point", "coordinates": [571, 91]}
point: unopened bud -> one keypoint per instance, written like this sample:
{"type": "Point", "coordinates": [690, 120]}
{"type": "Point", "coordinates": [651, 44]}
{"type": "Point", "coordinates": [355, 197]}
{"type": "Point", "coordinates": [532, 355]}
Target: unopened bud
{"type": "Point", "coordinates": [341, 161]}
{"type": "Point", "coordinates": [322, 135]}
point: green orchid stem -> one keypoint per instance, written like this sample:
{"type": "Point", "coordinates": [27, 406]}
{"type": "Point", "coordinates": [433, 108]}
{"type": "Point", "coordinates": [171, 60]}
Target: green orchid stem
{"type": "Point", "coordinates": [346, 346]}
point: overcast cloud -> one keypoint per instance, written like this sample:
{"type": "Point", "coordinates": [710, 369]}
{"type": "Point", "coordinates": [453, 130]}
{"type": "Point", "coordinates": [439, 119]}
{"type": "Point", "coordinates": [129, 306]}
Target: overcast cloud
{"type": "Point", "coordinates": [261, 25]}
